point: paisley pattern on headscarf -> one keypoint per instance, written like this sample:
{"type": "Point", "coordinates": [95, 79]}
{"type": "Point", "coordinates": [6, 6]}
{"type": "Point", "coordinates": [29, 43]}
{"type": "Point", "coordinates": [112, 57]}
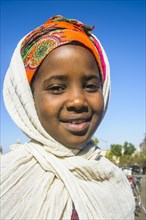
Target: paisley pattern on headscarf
{"type": "Point", "coordinates": [55, 32]}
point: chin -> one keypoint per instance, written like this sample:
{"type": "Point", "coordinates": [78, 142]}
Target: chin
{"type": "Point", "coordinates": [77, 144]}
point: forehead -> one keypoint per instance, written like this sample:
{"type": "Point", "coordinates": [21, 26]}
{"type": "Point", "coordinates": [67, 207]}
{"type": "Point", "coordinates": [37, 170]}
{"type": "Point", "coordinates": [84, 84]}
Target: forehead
{"type": "Point", "coordinates": [67, 55]}
{"type": "Point", "coordinates": [68, 60]}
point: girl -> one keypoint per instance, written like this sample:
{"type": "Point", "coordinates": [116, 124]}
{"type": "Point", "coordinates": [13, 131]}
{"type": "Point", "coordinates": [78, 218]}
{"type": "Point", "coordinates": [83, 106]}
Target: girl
{"type": "Point", "coordinates": [56, 90]}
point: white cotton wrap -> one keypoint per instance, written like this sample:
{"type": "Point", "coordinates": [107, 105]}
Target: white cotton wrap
{"type": "Point", "coordinates": [41, 179]}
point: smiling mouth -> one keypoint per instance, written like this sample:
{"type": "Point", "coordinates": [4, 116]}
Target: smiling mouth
{"type": "Point", "coordinates": [77, 126]}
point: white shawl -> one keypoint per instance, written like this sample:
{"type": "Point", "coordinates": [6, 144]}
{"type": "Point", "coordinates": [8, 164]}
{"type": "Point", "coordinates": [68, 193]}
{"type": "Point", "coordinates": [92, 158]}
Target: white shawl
{"type": "Point", "coordinates": [42, 179]}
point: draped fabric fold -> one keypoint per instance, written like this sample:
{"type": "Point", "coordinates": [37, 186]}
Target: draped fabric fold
{"type": "Point", "coordinates": [39, 185]}
{"type": "Point", "coordinates": [44, 180]}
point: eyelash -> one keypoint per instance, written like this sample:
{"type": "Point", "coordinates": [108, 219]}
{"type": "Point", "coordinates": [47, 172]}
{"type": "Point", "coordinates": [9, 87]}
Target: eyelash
{"type": "Point", "coordinates": [89, 87]}
{"type": "Point", "coordinates": [92, 87]}
{"type": "Point", "coordinates": [56, 89]}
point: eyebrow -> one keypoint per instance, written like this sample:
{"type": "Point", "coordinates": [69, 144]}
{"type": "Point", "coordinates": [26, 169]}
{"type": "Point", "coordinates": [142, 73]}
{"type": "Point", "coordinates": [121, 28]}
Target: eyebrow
{"type": "Point", "coordinates": [64, 78]}
{"type": "Point", "coordinates": [56, 77]}
{"type": "Point", "coordinates": [91, 76]}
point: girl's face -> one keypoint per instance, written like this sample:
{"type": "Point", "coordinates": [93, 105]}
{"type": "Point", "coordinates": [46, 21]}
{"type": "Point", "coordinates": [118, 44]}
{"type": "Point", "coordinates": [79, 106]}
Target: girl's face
{"type": "Point", "coordinates": [68, 95]}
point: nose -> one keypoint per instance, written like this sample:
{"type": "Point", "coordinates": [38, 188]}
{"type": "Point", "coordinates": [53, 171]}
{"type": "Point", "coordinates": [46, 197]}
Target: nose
{"type": "Point", "coordinates": [77, 101]}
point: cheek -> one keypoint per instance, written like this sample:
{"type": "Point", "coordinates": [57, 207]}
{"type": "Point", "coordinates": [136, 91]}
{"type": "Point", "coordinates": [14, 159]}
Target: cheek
{"type": "Point", "coordinates": [100, 103]}
{"type": "Point", "coordinates": [40, 105]}
{"type": "Point", "coordinates": [98, 108]}
{"type": "Point", "coordinates": [47, 107]}
{"type": "Point", "coordinates": [97, 103]}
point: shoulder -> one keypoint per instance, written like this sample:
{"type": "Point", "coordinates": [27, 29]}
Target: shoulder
{"type": "Point", "coordinates": [117, 175]}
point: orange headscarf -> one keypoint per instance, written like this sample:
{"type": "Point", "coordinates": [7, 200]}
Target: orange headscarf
{"type": "Point", "coordinates": [55, 32]}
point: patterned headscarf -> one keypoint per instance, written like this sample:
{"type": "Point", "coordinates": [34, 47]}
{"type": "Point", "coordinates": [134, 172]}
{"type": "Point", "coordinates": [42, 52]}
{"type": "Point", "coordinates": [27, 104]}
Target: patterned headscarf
{"type": "Point", "coordinates": [55, 32]}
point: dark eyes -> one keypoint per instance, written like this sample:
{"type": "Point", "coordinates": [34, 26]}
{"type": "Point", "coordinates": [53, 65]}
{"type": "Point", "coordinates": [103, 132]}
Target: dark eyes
{"type": "Point", "coordinates": [60, 89]}
{"type": "Point", "coordinates": [92, 87]}
{"type": "Point", "coordinates": [56, 89]}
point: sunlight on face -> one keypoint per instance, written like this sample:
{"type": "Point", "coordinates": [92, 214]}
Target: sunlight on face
{"type": "Point", "coordinates": [68, 95]}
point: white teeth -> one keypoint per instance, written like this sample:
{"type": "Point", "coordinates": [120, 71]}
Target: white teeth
{"type": "Point", "coordinates": [77, 122]}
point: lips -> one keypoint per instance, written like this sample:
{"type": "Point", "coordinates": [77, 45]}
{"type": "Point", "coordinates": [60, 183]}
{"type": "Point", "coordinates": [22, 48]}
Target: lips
{"type": "Point", "coordinates": [76, 125]}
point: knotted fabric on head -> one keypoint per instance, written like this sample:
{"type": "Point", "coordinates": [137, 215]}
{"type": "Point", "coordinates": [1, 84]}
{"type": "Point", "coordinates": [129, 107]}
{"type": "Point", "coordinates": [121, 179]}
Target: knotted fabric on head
{"type": "Point", "coordinates": [42, 179]}
{"type": "Point", "coordinates": [55, 32]}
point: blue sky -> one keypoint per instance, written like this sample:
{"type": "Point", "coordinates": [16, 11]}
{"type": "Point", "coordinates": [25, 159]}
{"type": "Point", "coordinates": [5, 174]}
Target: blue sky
{"type": "Point", "coordinates": [120, 26]}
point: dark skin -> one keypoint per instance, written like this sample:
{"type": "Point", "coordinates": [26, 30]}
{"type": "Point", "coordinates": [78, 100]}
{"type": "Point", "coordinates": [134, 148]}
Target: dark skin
{"type": "Point", "coordinates": [68, 95]}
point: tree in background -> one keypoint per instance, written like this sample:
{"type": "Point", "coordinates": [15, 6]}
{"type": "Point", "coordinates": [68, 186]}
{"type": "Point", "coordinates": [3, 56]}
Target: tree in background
{"type": "Point", "coordinates": [116, 150]}
{"type": "Point", "coordinates": [140, 159]}
{"type": "Point", "coordinates": [126, 160]}
{"type": "Point", "coordinates": [128, 148]}
{"type": "Point", "coordinates": [122, 155]}
{"type": "Point", "coordinates": [115, 153]}
{"type": "Point", "coordinates": [109, 155]}
{"type": "Point", "coordinates": [125, 155]}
